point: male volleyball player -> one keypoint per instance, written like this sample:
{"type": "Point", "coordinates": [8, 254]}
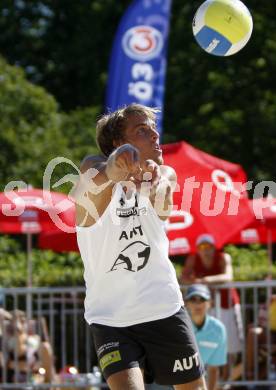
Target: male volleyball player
{"type": "Point", "coordinates": [133, 302]}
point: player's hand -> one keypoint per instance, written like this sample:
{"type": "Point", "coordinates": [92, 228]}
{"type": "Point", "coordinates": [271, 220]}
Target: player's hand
{"type": "Point", "coordinates": [151, 172]}
{"type": "Point", "coordinates": [127, 159]}
{"type": "Point", "coordinates": [123, 163]}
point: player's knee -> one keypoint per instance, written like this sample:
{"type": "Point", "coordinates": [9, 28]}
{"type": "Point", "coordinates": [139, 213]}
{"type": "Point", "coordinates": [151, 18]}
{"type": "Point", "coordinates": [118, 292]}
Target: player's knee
{"type": "Point", "coordinates": [130, 379]}
{"type": "Point", "coordinates": [198, 384]}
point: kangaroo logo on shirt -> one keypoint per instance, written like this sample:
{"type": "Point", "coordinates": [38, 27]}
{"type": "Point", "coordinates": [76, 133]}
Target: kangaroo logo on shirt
{"type": "Point", "coordinates": [133, 257]}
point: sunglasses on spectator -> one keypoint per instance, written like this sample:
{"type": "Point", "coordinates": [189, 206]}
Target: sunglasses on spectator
{"type": "Point", "coordinates": [205, 245]}
{"type": "Point", "coordinates": [196, 299]}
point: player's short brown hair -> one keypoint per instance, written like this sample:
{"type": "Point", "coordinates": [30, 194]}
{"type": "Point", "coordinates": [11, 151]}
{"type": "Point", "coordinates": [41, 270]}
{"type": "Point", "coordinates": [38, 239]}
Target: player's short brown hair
{"type": "Point", "coordinates": [110, 127]}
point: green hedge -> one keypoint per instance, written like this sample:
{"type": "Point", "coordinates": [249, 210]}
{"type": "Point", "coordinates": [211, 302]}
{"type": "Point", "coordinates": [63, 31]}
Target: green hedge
{"type": "Point", "coordinates": [49, 268]}
{"type": "Point", "coordinates": [251, 263]}
{"type": "Point", "coordinates": [66, 269]}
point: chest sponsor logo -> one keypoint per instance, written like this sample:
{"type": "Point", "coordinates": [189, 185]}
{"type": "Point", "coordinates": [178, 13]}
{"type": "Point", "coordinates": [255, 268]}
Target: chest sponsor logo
{"type": "Point", "coordinates": [130, 211]}
{"type": "Point", "coordinates": [125, 212]}
{"type": "Point", "coordinates": [186, 364]}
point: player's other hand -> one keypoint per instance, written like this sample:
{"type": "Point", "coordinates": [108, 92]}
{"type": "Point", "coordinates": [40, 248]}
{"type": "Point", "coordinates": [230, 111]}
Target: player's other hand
{"type": "Point", "coordinates": [151, 172]}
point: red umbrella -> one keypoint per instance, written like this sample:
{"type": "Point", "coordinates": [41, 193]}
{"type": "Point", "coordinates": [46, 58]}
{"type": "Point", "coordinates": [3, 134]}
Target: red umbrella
{"type": "Point", "coordinates": [33, 211]}
{"type": "Point", "coordinates": [211, 198]}
{"type": "Point", "coordinates": [59, 241]}
{"type": "Point", "coordinates": [265, 210]}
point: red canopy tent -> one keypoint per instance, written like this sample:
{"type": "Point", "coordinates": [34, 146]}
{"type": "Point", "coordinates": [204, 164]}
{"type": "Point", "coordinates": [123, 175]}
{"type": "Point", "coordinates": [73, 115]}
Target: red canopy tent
{"type": "Point", "coordinates": [262, 228]}
{"type": "Point", "coordinates": [210, 198]}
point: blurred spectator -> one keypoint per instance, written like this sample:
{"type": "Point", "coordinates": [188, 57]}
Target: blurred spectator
{"type": "Point", "coordinates": [5, 318]}
{"type": "Point", "coordinates": [15, 346]}
{"type": "Point", "coordinates": [210, 333]}
{"type": "Point", "coordinates": [210, 266]}
{"type": "Point", "coordinates": [46, 353]}
{"type": "Point", "coordinates": [29, 356]}
{"type": "Point", "coordinates": [257, 341]}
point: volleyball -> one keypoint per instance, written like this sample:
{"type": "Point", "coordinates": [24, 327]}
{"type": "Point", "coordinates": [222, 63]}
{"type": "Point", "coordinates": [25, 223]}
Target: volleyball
{"type": "Point", "coordinates": [222, 27]}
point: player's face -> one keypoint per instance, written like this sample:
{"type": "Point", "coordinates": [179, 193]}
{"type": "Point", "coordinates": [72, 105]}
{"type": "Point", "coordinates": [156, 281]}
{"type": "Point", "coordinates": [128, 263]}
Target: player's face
{"type": "Point", "coordinates": [141, 132]}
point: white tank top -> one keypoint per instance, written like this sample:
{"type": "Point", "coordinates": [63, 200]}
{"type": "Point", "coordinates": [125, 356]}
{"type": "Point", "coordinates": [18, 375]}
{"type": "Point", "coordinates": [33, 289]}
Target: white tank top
{"type": "Point", "coordinates": [129, 277]}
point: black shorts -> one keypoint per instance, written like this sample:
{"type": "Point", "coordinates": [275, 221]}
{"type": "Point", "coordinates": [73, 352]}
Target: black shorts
{"type": "Point", "coordinates": [166, 349]}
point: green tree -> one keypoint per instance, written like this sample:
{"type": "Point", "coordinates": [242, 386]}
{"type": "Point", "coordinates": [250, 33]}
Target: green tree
{"type": "Point", "coordinates": [34, 131]}
{"type": "Point", "coordinates": [224, 105]}
{"type": "Point", "coordinates": [78, 127]}
{"type": "Point", "coordinates": [63, 45]}
{"type": "Point", "coordinates": [30, 128]}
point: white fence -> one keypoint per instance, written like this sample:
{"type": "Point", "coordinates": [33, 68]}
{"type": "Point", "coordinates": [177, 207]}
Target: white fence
{"type": "Point", "coordinates": [55, 323]}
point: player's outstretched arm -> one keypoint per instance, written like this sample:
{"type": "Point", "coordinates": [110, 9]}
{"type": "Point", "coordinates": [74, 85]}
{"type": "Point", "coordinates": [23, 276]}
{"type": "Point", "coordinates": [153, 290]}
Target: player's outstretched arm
{"type": "Point", "coordinates": [162, 191]}
{"type": "Point", "coordinates": [98, 176]}
{"type": "Point", "coordinates": [119, 166]}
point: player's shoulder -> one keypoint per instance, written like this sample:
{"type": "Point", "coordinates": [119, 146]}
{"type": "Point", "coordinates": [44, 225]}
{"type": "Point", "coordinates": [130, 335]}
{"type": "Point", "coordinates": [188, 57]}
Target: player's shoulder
{"type": "Point", "coordinates": [91, 162]}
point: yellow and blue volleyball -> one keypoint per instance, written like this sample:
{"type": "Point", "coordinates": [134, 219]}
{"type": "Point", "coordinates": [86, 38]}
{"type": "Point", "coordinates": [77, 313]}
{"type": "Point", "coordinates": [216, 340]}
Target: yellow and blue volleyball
{"type": "Point", "coordinates": [222, 27]}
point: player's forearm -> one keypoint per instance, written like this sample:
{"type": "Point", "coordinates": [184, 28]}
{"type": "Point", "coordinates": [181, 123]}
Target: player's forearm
{"type": "Point", "coordinates": [220, 278]}
{"type": "Point", "coordinates": [162, 192]}
{"type": "Point", "coordinates": [161, 198]}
